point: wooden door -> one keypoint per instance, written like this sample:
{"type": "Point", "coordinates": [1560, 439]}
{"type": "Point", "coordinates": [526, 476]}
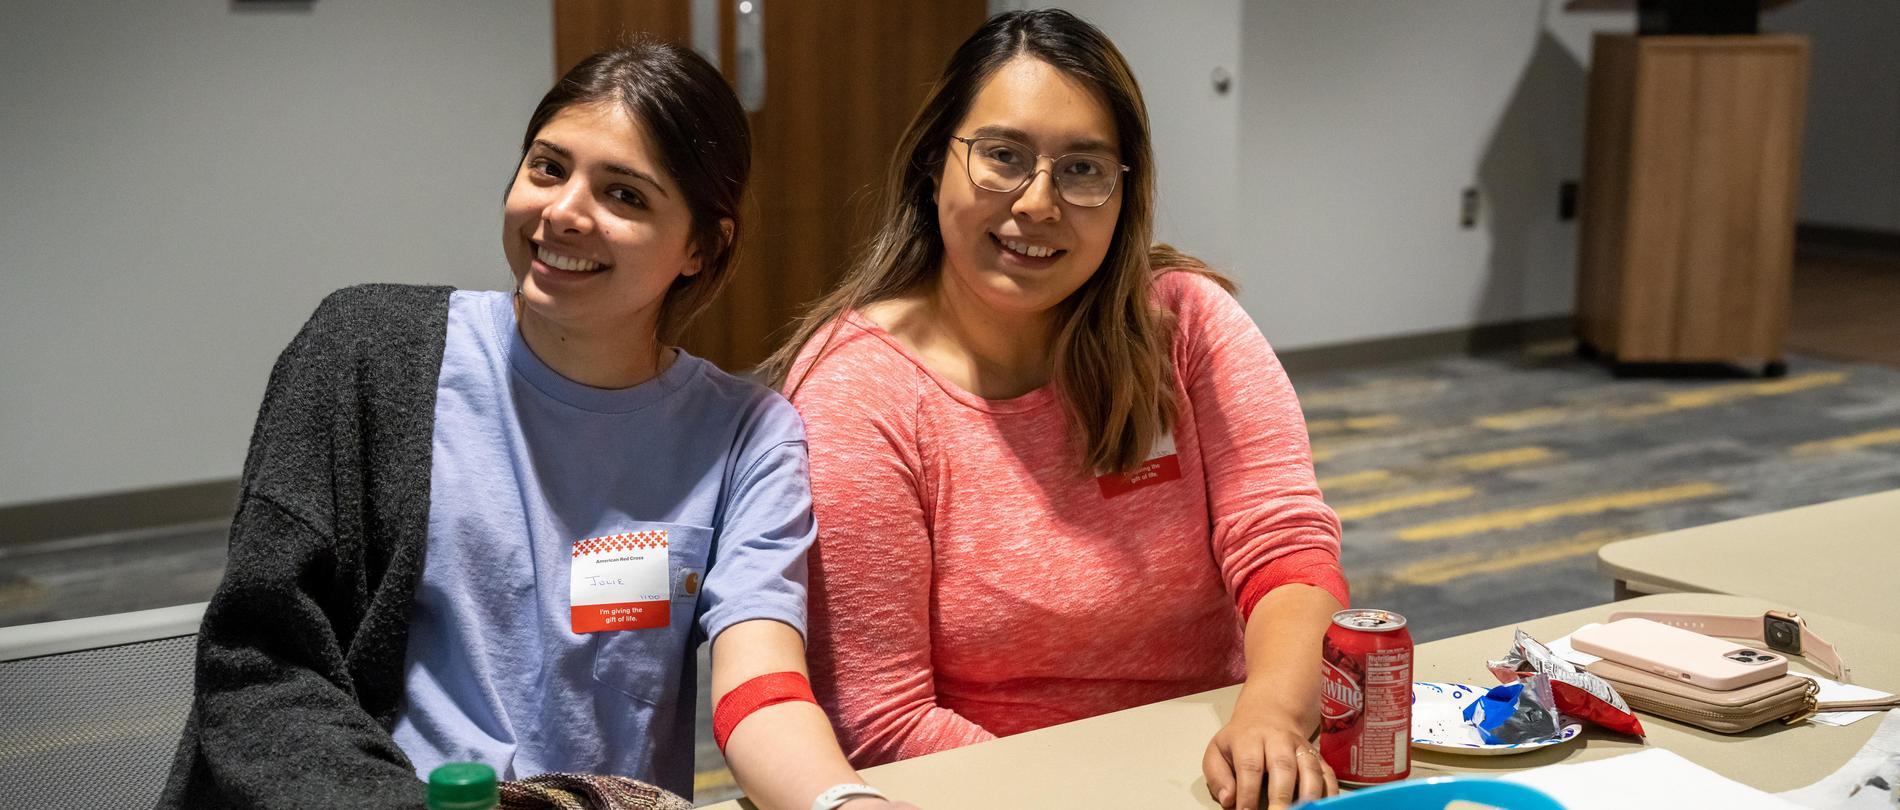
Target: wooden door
{"type": "Point", "coordinates": [842, 79]}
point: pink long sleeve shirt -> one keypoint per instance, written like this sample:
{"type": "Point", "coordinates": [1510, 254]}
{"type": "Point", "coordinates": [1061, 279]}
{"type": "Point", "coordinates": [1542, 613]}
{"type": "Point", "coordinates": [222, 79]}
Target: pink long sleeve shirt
{"type": "Point", "coordinates": [971, 581]}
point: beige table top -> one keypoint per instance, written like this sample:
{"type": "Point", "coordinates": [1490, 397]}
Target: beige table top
{"type": "Point", "coordinates": [1149, 757]}
{"type": "Point", "coordinates": [1840, 557]}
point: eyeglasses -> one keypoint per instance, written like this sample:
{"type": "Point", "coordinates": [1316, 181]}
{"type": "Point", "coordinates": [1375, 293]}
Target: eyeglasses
{"type": "Point", "coordinates": [1003, 166]}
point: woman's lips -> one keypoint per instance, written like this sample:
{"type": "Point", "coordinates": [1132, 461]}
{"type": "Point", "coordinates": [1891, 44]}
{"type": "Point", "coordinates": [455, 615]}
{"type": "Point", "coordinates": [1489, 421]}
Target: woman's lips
{"type": "Point", "coordinates": [1028, 254]}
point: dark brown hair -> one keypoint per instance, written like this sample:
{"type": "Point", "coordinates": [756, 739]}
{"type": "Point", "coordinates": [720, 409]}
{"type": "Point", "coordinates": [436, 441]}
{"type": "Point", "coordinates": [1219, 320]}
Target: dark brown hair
{"type": "Point", "coordinates": [704, 143]}
{"type": "Point", "coordinates": [1110, 360]}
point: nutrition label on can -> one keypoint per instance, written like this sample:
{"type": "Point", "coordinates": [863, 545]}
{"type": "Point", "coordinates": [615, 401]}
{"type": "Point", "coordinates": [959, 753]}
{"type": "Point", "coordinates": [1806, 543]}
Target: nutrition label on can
{"type": "Point", "coordinates": [1386, 736]}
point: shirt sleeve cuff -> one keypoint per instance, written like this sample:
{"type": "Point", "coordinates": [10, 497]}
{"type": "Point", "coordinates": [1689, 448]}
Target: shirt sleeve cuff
{"type": "Point", "coordinates": [786, 608]}
{"type": "Point", "coordinates": [1314, 566]}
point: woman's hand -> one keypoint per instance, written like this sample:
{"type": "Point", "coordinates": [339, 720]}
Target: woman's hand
{"type": "Point", "coordinates": [1265, 747]}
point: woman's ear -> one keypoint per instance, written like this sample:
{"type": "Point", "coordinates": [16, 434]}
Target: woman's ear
{"type": "Point", "coordinates": [725, 245]}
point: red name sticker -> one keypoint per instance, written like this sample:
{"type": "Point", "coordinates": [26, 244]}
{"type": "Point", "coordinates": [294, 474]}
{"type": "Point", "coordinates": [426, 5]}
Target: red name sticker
{"type": "Point", "coordinates": [619, 582]}
{"type": "Point", "coordinates": [1163, 465]}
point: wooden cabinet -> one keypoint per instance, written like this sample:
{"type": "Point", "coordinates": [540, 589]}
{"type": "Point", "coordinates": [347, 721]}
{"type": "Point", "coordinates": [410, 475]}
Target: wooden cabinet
{"type": "Point", "coordinates": [1692, 157]}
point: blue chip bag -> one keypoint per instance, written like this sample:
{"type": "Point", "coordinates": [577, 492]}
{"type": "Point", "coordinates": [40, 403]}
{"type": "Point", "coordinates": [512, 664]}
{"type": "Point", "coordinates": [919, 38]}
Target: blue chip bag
{"type": "Point", "coordinates": [1515, 713]}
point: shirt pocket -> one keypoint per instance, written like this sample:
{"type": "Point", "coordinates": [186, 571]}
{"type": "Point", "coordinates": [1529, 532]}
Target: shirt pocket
{"type": "Point", "coordinates": [646, 665]}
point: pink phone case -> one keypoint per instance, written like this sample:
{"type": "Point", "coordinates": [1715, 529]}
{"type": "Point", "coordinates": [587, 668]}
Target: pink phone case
{"type": "Point", "coordinates": [1673, 652]}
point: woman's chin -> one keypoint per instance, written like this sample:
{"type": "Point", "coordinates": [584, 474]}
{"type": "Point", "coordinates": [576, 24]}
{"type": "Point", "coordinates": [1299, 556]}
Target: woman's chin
{"type": "Point", "coordinates": [1018, 294]}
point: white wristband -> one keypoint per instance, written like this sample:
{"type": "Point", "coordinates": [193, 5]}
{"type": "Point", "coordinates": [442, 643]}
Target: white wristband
{"type": "Point", "coordinates": [836, 795]}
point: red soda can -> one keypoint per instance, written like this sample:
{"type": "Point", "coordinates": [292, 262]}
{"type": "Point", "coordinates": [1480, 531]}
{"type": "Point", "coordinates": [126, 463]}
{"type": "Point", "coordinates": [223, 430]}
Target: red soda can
{"type": "Point", "coordinates": [1366, 697]}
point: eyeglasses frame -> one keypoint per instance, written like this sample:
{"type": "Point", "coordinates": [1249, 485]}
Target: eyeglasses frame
{"type": "Point", "coordinates": [968, 143]}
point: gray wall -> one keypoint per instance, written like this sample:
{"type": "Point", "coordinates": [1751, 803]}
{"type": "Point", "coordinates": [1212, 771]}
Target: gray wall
{"type": "Point", "coordinates": [184, 181]}
{"type": "Point", "coordinates": [1362, 123]}
{"type": "Point", "coordinates": [1328, 181]}
{"type": "Point", "coordinates": [1850, 171]}
{"type": "Point", "coordinates": [1196, 129]}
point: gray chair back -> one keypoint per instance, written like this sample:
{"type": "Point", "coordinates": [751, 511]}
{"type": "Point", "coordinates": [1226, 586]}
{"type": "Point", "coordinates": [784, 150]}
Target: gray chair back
{"type": "Point", "coordinates": [91, 709]}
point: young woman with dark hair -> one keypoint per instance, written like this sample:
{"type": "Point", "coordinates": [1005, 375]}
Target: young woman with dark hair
{"type": "Point", "coordinates": [1057, 470]}
{"type": "Point", "coordinates": [494, 527]}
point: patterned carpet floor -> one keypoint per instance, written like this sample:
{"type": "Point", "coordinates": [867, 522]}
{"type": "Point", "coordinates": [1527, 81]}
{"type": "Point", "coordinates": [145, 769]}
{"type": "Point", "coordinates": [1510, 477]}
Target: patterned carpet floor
{"type": "Point", "coordinates": [1475, 491]}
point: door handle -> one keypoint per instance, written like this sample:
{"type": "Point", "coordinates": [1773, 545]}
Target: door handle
{"type": "Point", "coordinates": [749, 36]}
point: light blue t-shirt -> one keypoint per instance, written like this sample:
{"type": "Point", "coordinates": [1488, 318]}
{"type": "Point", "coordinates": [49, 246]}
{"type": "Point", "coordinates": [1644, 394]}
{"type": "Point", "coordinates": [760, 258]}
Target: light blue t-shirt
{"type": "Point", "coordinates": [526, 463]}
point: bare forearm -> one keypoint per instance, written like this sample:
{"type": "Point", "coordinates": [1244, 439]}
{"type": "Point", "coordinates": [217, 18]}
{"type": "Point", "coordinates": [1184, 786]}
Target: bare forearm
{"type": "Point", "coordinates": [785, 754]}
{"type": "Point", "coordinates": [1283, 642]}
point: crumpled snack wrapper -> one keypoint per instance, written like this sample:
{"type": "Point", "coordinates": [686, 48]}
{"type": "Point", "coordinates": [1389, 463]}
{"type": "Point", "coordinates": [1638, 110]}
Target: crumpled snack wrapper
{"type": "Point", "coordinates": [1578, 693]}
{"type": "Point", "coordinates": [1520, 712]}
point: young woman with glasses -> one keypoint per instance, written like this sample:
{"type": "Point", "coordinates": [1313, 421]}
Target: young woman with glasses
{"type": "Point", "coordinates": [1057, 470]}
{"type": "Point", "coordinates": [495, 527]}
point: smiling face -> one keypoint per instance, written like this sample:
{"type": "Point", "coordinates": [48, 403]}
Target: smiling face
{"type": "Point", "coordinates": [1023, 252]}
{"type": "Point", "coordinates": [594, 230]}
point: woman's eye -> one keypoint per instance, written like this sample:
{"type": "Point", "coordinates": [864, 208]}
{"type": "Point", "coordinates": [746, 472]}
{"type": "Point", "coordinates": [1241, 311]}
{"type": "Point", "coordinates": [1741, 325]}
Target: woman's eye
{"type": "Point", "coordinates": [1083, 168]}
{"type": "Point", "coordinates": [1006, 157]}
{"type": "Point", "coordinates": [628, 196]}
{"type": "Point", "coordinates": [545, 167]}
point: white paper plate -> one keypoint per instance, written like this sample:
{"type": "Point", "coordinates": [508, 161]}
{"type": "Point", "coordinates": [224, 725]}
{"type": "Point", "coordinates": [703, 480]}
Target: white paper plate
{"type": "Point", "coordinates": [1438, 723]}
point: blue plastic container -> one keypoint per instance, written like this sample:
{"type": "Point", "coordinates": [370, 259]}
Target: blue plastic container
{"type": "Point", "coordinates": [1435, 793]}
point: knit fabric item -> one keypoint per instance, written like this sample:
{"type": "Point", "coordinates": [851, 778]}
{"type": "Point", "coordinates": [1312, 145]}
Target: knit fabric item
{"type": "Point", "coordinates": [300, 658]}
{"type": "Point", "coordinates": [579, 791]}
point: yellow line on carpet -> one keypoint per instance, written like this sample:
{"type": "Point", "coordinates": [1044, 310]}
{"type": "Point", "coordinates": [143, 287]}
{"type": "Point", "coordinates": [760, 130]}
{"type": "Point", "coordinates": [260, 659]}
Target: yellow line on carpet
{"type": "Point", "coordinates": [1843, 444]}
{"type": "Point", "coordinates": [1351, 481]}
{"type": "Point", "coordinates": [1722, 394]}
{"type": "Point", "coordinates": [1410, 500]}
{"type": "Point", "coordinates": [1351, 423]}
{"type": "Point", "coordinates": [1479, 462]}
{"type": "Point", "coordinates": [1519, 518]}
{"type": "Point", "coordinates": [1668, 403]}
{"type": "Point", "coordinates": [1523, 420]}
{"type": "Point", "coordinates": [1443, 569]}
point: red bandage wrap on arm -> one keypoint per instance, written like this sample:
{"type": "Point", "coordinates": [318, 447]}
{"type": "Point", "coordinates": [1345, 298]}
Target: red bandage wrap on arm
{"type": "Point", "coordinates": [753, 695]}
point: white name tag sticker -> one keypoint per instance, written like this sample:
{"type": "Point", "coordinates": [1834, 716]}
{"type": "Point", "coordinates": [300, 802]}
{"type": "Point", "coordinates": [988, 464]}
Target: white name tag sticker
{"type": "Point", "coordinates": [620, 582]}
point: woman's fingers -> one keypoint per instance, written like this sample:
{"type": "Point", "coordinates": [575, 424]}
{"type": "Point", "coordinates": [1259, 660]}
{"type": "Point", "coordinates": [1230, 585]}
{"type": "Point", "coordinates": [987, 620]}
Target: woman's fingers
{"type": "Point", "coordinates": [1312, 774]}
{"type": "Point", "coordinates": [1283, 776]}
{"type": "Point", "coordinates": [1252, 771]}
{"type": "Point", "coordinates": [1220, 775]}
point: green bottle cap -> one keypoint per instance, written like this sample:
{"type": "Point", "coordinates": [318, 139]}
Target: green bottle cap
{"type": "Point", "coordinates": [463, 786]}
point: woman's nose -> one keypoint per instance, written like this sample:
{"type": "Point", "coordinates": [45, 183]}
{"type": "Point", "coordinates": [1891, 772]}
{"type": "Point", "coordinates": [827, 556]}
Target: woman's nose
{"type": "Point", "coordinates": [569, 210]}
{"type": "Point", "coordinates": [1040, 200]}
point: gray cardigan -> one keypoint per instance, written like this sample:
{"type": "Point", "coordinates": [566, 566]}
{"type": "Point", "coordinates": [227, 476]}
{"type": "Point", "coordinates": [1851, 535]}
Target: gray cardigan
{"type": "Point", "coordinates": [300, 657]}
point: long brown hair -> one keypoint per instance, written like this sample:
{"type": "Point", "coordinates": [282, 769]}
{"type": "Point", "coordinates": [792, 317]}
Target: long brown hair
{"type": "Point", "coordinates": [1111, 352]}
{"type": "Point", "coordinates": [704, 144]}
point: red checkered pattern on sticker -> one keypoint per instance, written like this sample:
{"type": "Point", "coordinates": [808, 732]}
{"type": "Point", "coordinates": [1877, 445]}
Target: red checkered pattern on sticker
{"type": "Point", "coordinates": [624, 541]}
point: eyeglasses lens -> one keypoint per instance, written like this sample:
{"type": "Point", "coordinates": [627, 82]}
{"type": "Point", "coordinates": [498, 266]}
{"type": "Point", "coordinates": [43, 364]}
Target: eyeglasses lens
{"type": "Point", "coordinates": [1004, 166]}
